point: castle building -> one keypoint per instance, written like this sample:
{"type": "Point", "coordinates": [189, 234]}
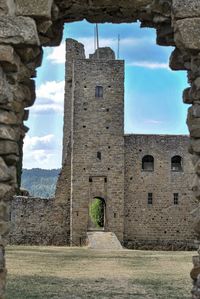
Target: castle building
{"type": "Point", "coordinates": [142, 181]}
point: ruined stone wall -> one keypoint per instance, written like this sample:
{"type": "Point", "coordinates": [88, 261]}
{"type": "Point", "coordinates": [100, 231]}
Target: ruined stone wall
{"type": "Point", "coordinates": [30, 220]}
{"type": "Point", "coordinates": [37, 221]}
{"type": "Point", "coordinates": [162, 223]}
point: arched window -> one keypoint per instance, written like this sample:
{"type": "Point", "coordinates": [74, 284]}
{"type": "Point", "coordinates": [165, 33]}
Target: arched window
{"type": "Point", "coordinates": [148, 163]}
{"type": "Point", "coordinates": [176, 163]}
{"type": "Point", "coordinates": [99, 92]}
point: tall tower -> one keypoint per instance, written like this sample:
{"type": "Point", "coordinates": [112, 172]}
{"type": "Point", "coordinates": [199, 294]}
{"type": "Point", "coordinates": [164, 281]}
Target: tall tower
{"type": "Point", "coordinates": [93, 142]}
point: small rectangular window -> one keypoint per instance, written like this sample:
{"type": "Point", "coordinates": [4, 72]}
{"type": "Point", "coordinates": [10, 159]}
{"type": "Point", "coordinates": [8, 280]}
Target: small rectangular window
{"type": "Point", "coordinates": [175, 198]}
{"type": "Point", "coordinates": [150, 198]}
{"type": "Point", "coordinates": [99, 92]}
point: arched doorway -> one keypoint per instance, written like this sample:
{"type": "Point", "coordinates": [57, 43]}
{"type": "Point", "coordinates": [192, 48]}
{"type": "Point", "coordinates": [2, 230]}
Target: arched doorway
{"type": "Point", "coordinates": [97, 214]}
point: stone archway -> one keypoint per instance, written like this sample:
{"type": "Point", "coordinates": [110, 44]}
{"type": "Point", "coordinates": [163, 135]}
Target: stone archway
{"type": "Point", "coordinates": [27, 26]}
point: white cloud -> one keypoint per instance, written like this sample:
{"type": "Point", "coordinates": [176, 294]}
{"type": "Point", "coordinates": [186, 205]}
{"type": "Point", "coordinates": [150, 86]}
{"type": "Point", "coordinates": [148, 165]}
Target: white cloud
{"type": "Point", "coordinates": [50, 97]}
{"type": "Point", "coordinates": [36, 142]}
{"type": "Point", "coordinates": [150, 65]}
{"type": "Point", "coordinates": [41, 152]}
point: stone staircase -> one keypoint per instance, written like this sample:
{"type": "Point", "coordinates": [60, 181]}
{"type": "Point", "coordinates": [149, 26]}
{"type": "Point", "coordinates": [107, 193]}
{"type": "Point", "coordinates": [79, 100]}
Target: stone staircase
{"type": "Point", "coordinates": [103, 241]}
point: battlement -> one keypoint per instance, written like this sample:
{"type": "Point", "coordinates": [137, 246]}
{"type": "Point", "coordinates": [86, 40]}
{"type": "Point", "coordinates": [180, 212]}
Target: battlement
{"type": "Point", "coordinates": [105, 53]}
{"type": "Point", "coordinates": [75, 50]}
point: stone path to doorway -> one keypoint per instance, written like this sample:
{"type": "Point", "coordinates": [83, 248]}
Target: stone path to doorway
{"type": "Point", "coordinates": [103, 241]}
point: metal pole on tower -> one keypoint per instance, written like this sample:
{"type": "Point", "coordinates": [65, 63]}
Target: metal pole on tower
{"type": "Point", "coordinates": [118, 48]}
{"type": "Point", "coordinates": [95, 42]}
{"type": "Point", "coordinates": [97, 32]}
{"type": "Point", "coordinates": [97, 38]}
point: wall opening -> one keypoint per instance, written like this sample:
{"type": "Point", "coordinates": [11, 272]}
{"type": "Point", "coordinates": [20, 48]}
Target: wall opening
{"type": "Point", "coordinates": [177, 163]}
{"type": "Point", "coordinates": [97, 213]}
{"type": "Point", "coordinates": [149, 69]}
{"type": "Point", "coordinates": [148, 163]}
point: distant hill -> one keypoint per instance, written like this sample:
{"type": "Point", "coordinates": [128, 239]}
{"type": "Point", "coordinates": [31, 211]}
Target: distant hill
{"type": "Point", "coordinates": [40, 182]}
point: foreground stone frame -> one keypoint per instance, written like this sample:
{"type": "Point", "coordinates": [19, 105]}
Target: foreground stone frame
{"type": "Point", "coordinates": [26, 26]}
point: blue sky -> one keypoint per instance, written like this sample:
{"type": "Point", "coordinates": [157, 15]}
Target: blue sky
{"type": "Point", "coordinates": [153, 93]}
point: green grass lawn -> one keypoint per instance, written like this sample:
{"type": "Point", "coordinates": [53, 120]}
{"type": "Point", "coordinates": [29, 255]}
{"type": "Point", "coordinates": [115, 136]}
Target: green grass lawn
{"type": "Point", "coordinates": [60, 272]}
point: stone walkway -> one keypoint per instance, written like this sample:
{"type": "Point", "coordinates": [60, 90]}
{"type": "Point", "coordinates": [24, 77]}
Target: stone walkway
{"type": "Point", "coordinates": [103, 241]}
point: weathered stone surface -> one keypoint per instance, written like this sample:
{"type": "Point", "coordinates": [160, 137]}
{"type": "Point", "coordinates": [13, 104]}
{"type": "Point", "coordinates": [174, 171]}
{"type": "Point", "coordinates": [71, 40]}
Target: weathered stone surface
{"type": "Point", "coordinates": [195, 90]}
{"type": "Point", "coordinates": [193, 121]}
{"type": "Point", "coordinates": [9, 133]}
{"type": "Point", "coordinates": [4, 227]}
{"type": "Point", "coordinates": [43, 221]}
{"type": "Point", "coordinates": [8, 118]}
{"type": "Point", "coordinates": [3, 283]}
{"type": "Point", "coordinates": [5, 174]}
{"type": "Point", "coordinates": [195, 272]}
{"type": "Point", "coordinates": [195, 145]}
{"type": "Point", "coordinates": [2, 260]}
{"type": "Point", "coordinates": [186, 8]}
{"type": "Point", "coordinates": [5, 89]}
{"type": "Point", "coordinates": [11, 159]}
{"type": "Point", "coordinates": [165, 35]}
{"type": "Point", "coordinates": [9, 59]}
{"type": "Point", "coordinates": [34, 8]}
{"type": "Point", "coordinates": [24, 93]}
{"type": "Point", "coordinates": [187, 33]}
{"type": "Point", "coordinates": [179, 60]}
{"type": "Point", "coordinates": [5, 191]}
{"type": "Point", "coordinates": [7, 7]}
{"type": "Point", "coordinates": [187, 99]}
{"type": "Point", "coordinates": [43, 26]}
{"type": "Point", "coordinates": [18, 30]}
{"type": "Point", "coordinates": [29, 54]}
{"type": "Point", "coordinates": [196, 187]}
{"type": "Point", "coordinates": [8, 148]}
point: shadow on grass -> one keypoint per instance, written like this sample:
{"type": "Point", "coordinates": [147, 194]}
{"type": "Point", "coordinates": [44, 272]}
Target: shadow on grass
{"type": "Point", "coordinates": [40, 287]}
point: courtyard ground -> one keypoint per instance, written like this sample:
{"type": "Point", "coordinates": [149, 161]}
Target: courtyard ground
{"type": "Point", "coordinates": [62, 273]}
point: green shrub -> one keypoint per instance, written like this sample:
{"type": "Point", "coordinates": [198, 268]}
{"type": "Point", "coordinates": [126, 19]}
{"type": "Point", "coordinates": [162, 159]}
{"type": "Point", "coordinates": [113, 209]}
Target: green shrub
{"type": "Point", "coordinates": [97, 212]}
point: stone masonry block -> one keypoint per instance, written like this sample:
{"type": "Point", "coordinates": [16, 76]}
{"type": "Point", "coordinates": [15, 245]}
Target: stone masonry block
{"type": "Point", "coordinates": [5, 173]}
{"type": "Point", "coordinates": [186, 8]}
{"type": "Point", "coordinates": [7, 7]}
{"type": "Point", "coordinates": [34, 8]}
{"type": "Point", "coordinates": [9, 60]}
{"type": "Point", "coordinates": [5, 90]}
{"type": "Point", "coordinates": [18, 31]}
{"type": "Point", "coordinates": [187, 33]}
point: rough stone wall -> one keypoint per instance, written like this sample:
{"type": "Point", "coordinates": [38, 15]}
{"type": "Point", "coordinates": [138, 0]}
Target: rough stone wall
{"type": "Point", "coordinates": [30, 220]}
{"type": "Point", "coordinates": [162, 222]}
{"type": "Point", "coordinates": [26, 26]}
{"type": "Point", "coordinates": [37, 221]}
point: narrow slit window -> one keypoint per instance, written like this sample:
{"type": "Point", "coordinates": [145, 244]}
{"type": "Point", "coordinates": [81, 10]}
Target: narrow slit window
{"type": "Point", "coordinates": [150, 198]}
{"type": "Point", "coordinates": [99, 155]}
{"type": "Point", "coordinates": [99, 92]}
{"type": "Point", "coordinates": [176, 197]}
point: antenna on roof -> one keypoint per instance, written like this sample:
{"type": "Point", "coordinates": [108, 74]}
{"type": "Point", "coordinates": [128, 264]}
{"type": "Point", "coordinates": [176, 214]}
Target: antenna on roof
{"type": "Point", "coordinates": [118, 46]}
{"type": "Point", "coordinates": [97, 40]}
{"type": "Point", "coordinates": [97, 34]}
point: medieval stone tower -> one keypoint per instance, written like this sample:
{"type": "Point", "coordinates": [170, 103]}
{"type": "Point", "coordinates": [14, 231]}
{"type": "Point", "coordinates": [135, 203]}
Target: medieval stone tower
{"type": "Point", "coordinates": [93, 142]}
